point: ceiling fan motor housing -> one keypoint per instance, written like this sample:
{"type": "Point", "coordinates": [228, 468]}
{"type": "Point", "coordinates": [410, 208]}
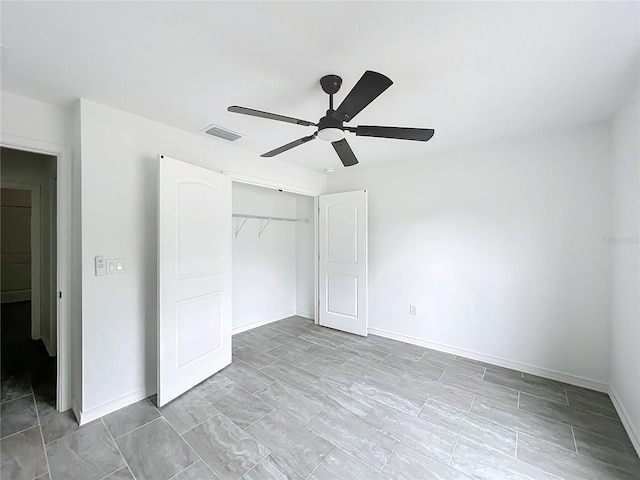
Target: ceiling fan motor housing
{"type": "Point", "coordinates": [329, 128]}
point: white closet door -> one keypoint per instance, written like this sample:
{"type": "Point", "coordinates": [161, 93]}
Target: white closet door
{"type": "Point", "coordinates": [343, 261]}
{"type": "Point", "coordinates": [194, 276]}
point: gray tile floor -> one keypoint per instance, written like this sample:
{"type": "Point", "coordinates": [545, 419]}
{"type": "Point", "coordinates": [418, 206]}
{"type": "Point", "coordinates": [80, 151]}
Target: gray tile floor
{"type": "Point", "coordinates": [306, 402]}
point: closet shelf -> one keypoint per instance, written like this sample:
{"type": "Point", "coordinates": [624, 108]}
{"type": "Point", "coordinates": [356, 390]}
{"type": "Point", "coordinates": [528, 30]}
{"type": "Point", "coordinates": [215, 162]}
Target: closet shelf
{"type": "Point", "coordinates": [268, 220]}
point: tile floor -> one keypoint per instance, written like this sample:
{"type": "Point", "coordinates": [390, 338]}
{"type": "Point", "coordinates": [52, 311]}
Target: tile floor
{"type": "Point", "coordinates": [306, 402]}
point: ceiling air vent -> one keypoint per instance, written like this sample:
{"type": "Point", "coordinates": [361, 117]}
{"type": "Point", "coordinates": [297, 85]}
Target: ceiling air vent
{"type": "Point", "coordinates": [220, 132]}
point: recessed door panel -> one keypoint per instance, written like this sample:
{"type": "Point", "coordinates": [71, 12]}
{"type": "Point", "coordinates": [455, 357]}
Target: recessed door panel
{"type": "Point", "coordinates": [342, 233]}
{"type": "Point", "coordinates": [197, 327]}
{"type": "Point", "coordinates": [342, 295]}
{"type": "Point", "coordinates": [199, 224]}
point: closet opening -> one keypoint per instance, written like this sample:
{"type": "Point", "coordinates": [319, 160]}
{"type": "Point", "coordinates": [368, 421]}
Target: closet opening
{"type": "Point", "coordinates": [273, 256]}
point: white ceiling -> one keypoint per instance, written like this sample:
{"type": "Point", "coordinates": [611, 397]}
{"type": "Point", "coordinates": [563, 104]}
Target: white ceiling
{"type": "Point", "coordinates": [474, 71]}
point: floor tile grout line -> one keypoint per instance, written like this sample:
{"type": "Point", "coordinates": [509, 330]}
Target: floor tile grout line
{"type": "Point", "coordinates": [569, 425]}
{"type": "Point", "coordinates": [323, 460]}
{"type": "Point", "coordinates": [258, 420]}
{"type": "Point", "coordinates": [181, 437]}
{"type": "Point", "coordinates": [517, 441]}
{"type": "Point", "coordinates": [517, 430]}
{"type": "Point", "coordinates": [44, 445]}
{"type": "Point", "coordinates": [137, 428]}
{"type": "Point", "coordinates": [423, 405]}
{"type": "Point", "coordinates": [118, 448]}
{"type": "Point", "coordinates": [307, 422]}
{"type": "Point", "coordinates": [582, 455]}
{"type": "Point", "coordinates": [187, 468]}
{"type": "Point", "coordinates": [195, 426]}
{"type": "Point", "coordinates": [17, 398]}
{"type": "Point", "coordinates": [590, 412]}
{"type": "Point", "coordinates": [575, 443]}
{"type": "Point", "coordinates": [21, 431]}
{"type": "Point", "coordinates": [253, 467]}
{"type": "Point", "coordinates": [389, 457]}
{"type": "Point", "coordinates": [454, 450]}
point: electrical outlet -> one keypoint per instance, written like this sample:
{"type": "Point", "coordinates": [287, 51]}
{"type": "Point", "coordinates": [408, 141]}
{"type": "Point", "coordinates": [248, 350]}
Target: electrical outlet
{"type": "Point", "coordinates": [413, 310]}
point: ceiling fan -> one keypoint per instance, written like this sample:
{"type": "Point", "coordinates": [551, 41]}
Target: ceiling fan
{"type": "Point", "coordinates": [331, 127]}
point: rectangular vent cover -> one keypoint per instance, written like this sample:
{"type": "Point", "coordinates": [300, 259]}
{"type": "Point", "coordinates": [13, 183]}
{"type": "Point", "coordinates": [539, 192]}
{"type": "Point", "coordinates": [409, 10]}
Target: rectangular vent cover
{"type": "Point", "coordinates": [220, 132]}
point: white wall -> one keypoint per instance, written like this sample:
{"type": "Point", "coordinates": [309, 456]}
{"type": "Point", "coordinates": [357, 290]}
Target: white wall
{"type": "Point", "coordinates": [118, 178]}
{"type": "Point", "coordinates": [28, 118]}
{"type": "Point", "coordinates": [305, 258]}
{"type": "Point", "coordinates": [623, 245]}
{"type": "Point", "coordinates": [26, 168]}
{"type": "Point", "coordinates": [264, 269]}
{"type": "Point", "coordinates": [500, 247]}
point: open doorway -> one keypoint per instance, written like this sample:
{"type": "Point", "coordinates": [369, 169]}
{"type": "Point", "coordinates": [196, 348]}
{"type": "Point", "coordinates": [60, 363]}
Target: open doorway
{"type": "Point", "coordinates": [29, 275]}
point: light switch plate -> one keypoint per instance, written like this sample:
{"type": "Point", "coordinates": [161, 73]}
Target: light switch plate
{"type": "Point", "coordinates": [119, 265]}
{"type": "Point", "coordinates": [111, 267]}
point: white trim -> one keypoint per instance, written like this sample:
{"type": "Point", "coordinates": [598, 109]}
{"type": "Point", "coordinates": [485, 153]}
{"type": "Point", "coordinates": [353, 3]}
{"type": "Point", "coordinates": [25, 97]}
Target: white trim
{"type": "Point", "coordinates": [36, 253]}
{"type": "Point", "coordinates": [634, 434]}
{"type": "Point", "coordinates": [110, 406]}
{"type": "Point", "coordinates": [65, 386]}
{"type": "Point", "coordinates": [316, 261]}
{"type": "Point", "coordinates": [53, 267]}
{"type": "Point", "coordinates": [502, 362]}
{"type": "Point", "coordinates": [260, 323]}
{"type": "Point", "coordinates": [273, 184]}
{"type": "Point", "coordinates": [308, 315]}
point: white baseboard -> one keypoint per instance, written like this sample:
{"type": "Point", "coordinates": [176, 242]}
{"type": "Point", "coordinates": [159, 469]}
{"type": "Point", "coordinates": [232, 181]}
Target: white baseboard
{"type": "Point", "coordinates": [502, 362]}
{"type": "Point", "coordinates": [632, 430]}
{"type": "Point", "coordinates": [110, 407]}
{"type": "Point", "coordinates": [308, 315]}
{"type": "Point", "coordinates": [260, 323]}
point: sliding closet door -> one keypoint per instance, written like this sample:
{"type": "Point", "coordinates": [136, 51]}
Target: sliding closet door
{"type": "Point", "coordinates": [194, 276]}
{"type": "Point", "coordinates": [343, 261]}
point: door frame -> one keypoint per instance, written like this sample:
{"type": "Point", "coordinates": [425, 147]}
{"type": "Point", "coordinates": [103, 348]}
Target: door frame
{"type": "Point", "coordinates": [35, 252]}
{"type": "Point", "coordinates": [66, 347]}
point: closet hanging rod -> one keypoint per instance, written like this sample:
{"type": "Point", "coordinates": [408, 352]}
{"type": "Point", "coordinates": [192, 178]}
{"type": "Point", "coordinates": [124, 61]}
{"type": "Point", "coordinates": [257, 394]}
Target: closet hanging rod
{"type": "Point", "coordinates": [260, 217]}
{"type": "Point", "coordinates": [268, 219]}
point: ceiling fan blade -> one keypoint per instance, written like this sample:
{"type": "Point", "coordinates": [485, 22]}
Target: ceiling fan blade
{"type": "Point", "coordinates": [345, 153]}
{"type": "Point", "coordinates": [402, 133]}
{"type": "Point", "coordinates": [370, 85]}
{"type": "Point", "coordinates": [288, 146]}
{"type": "Point", "coordinates": [270, 116]}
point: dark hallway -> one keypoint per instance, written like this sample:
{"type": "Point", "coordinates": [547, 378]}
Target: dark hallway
{"type": "Point", "coordinates": [28, 373]}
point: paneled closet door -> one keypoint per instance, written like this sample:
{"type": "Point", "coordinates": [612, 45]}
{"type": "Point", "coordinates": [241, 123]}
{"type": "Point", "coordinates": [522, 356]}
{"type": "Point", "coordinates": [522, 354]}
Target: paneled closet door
{"type": "Point", "coordinates": [343, 261]}
{"type": "Point", "coordinates": [194, 276]}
